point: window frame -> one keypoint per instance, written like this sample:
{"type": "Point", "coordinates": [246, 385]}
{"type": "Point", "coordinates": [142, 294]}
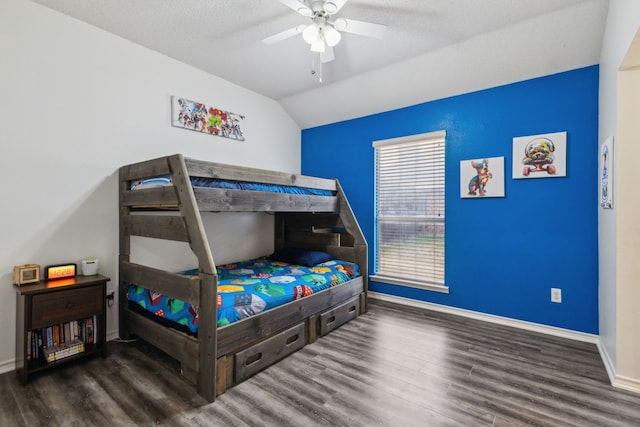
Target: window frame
{"type": "Point", "coordinates": [432, 283]}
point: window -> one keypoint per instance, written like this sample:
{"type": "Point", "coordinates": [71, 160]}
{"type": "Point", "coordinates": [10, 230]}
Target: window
{"type": "Point", "coordinates": [410, 211]}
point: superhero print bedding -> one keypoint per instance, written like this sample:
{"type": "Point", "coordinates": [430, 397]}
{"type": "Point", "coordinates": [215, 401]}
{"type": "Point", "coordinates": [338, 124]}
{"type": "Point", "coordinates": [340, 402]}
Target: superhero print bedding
{"type": "Point", "coordinates": [245, 289]}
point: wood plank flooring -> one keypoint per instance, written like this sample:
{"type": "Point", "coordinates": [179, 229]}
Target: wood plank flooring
{"type": "Point", "coordinates": [394, 366]}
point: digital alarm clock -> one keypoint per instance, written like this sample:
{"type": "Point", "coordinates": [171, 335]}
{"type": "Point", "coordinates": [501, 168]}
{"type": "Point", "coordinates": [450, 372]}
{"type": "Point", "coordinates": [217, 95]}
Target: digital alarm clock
{"type": "Point", "coordinates": [61, 271]}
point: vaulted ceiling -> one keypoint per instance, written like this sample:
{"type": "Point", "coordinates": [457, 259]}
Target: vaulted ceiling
{"type": "Point", "coordinates": [431, 48]}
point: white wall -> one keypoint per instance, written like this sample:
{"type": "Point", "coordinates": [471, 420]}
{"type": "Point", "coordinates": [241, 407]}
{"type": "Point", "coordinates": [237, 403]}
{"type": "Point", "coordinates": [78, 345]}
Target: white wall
{"type": "Point", "coordinates": [618, 323]}
{"type": "Point", "coordinates": [78, 103]}
{"type": "Point", "coordinates": [628, 232]}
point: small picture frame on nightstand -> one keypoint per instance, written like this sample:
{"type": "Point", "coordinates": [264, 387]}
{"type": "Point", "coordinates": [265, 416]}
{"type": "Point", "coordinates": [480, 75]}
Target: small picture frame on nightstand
{"type": "Point", "coordinates": [27, 273]}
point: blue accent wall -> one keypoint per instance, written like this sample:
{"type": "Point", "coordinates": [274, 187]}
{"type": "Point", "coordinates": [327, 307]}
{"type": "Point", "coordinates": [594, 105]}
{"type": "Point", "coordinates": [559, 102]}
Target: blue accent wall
{"type": "Point", "coordinates": [503, 255]}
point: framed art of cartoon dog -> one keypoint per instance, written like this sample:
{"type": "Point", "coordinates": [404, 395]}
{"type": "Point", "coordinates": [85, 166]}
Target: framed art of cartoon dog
{"type": "Point", "coordinates": [540, 156]}
{"type": "Point", "coordinates": [480, 178]}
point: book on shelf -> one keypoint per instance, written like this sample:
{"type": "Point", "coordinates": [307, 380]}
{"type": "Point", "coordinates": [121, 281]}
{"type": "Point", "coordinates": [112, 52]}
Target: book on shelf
{"type": "Point", "coordinates": [28, 345]}
{"type": "Point", "coordinates": [56, 334]}
{"type": "Point", "coordinates": [61, 351]}
{"type": "Point", "coordinates": [39, 345]}
{"type": "Point", "coordinates": [89, 330]}
{"type": "Point", "coordinates": [49, 338]}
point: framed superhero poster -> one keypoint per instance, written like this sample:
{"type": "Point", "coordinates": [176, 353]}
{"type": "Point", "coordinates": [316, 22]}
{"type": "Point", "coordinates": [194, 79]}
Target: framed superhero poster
{"type": "Point", "coordinates": [540, 156]}
{"type": "Point", "coordinates": [203, 118]}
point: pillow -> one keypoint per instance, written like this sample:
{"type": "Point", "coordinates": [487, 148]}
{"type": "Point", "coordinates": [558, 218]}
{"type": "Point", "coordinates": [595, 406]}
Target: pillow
{"type": "Point", "coordinates": [299, 256]}
{"type": "Point", "coordinates": [153, 182]}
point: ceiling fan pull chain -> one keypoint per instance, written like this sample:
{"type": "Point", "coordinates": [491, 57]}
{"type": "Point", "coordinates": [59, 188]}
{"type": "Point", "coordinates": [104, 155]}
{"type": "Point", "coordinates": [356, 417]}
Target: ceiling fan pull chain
{"type": "Point", "coordinates": [313, 64]}
{"type": "Point", "coordinates": [316, 66]}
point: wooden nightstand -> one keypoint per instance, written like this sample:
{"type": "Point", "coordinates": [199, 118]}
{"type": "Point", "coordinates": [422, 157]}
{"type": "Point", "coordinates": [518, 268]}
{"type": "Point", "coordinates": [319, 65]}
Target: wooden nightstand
{"type": "Point", "coordinates": [58, 321]}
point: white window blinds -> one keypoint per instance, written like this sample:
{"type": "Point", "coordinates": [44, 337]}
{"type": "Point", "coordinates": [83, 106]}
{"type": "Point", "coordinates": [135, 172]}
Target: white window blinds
{"type": "Point", "coordinates": [410, 208]}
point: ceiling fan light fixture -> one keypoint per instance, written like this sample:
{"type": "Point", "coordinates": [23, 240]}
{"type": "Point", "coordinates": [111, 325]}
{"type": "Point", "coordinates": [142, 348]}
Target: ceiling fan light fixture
{"type": "Point", "coordinates": [324, 31]}
{"type": "Point", "coordinates": [331, 36]}
{"type": "Point", "coordinates": [318, 46]}
{"type": "Point", "coordinates": [311, 34]}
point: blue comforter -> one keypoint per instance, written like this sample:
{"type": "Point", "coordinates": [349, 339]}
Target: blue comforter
{"type": "Point", "coordinates": [163, 181]}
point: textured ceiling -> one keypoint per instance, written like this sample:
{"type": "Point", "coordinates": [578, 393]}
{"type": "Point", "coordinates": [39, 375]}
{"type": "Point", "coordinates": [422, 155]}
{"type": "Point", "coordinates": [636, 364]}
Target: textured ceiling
{"type": "Point", "coordinates": [224, 37]}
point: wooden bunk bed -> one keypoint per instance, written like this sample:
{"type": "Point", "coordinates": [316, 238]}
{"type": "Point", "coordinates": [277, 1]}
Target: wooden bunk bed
{"type": "Point", "coordinates": [220, 357]}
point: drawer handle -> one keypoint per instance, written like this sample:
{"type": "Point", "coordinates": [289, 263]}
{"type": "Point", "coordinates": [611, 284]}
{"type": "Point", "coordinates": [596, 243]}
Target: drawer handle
{"type": "Point", "coordinates": [253, 359]}
{"type": "Point", "coordinates": [69, 305]}
{"type": "Point", "coordinates": [292, 339]}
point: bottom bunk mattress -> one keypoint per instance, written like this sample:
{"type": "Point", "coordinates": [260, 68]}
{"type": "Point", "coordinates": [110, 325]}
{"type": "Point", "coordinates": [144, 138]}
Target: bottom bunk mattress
{"type": "Point", "coordinates": [244, 289]}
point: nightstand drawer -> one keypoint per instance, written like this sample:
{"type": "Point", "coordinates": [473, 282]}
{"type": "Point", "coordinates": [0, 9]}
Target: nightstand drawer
{"type": "Point", "coordinates": [58, 307]}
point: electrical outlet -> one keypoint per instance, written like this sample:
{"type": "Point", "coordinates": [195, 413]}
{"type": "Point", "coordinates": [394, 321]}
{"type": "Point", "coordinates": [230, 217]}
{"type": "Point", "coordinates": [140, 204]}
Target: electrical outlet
{"type": "Point", "coordinates": [556, 295]}
{"type": "Point", "coordinates": [110, 298]}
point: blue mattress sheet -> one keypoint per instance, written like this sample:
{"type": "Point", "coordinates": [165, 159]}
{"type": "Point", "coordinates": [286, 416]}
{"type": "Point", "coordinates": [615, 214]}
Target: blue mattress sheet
{"type": "Point", "coordinates": [163, 181]}
{"type": "Point", "coordinates": [247, 288]}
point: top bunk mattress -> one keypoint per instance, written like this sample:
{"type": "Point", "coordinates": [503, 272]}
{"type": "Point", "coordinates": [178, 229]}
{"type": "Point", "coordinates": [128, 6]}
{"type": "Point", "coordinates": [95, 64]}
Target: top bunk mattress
{"type": "Point", "coordinates": [163, 181]}
{"type": "Point", "coordinates": [244, 289]}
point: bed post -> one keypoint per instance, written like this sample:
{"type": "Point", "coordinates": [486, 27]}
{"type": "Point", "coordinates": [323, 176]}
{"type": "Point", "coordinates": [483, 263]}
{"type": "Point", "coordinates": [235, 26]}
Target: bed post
{"type": "Point", "coordinates": [124, 256]}
{"type": "Point", "coordinates": [207, 328]}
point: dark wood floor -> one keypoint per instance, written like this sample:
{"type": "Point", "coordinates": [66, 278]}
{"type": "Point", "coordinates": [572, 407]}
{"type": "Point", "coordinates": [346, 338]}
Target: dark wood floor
{"type": "Point", "coordinates": [390, 367]}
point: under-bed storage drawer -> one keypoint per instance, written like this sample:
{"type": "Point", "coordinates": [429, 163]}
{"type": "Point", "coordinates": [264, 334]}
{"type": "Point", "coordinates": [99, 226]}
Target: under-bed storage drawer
{"type": "Point", "coordinates": [269, 351]}
{"type": "Point", "coordinates": [339, 315]}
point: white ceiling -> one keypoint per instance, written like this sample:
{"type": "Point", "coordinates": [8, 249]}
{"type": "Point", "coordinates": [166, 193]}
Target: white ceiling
{"type": "Point", "coordinates": [368, 75]}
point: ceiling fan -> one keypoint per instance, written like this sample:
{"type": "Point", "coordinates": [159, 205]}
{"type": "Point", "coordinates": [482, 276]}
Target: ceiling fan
{"type": "Point", "coordinates": [323, 33]}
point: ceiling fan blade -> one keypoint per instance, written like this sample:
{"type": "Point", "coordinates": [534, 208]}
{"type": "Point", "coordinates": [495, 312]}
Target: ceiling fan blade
{"type": "Point", "coordinates": [298, 7]}
{"type": "Point", "coordinates": [362, 28]}
{"type": "Point", "coordinates": [331, 7]}
{"type": "Point", "coordinates": [284, 34]}
{"type": "Point", "coordinates": [327, 55]}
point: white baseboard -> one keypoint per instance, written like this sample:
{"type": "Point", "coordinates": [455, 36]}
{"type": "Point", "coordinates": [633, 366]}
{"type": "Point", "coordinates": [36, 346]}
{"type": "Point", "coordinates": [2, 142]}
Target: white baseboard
{"type": "Point", "coordinates": [529, 326]}
{"type": "Point", "coordinates": [626, 383]}
{"type": "Point", "coordinates": [616, 380]}
{"type": "Point", "coordinates": [608, 363]}
{"type": "Point", "coordinates": [7, 366]}
{"type": "Point", "coordinates": [113, 335]}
